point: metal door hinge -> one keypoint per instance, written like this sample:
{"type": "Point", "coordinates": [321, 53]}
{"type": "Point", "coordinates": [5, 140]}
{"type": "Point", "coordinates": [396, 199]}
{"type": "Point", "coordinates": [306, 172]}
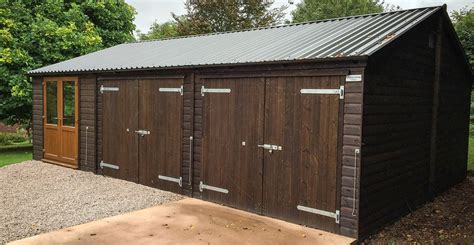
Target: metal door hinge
{"type": "Point", "coordinates": [102, 164]}
{"type": "Point", "coordinates": [339, 91]}
{"type": "Point", "coordinates": [176, 180]}
{"type": "Point", "coordinates": [203, 186]}
{"type": "Point", "coordinates": [179, 90]}
{"type": "Point", "coordinates": [214, 90]}
{"type": "Point", "coordinates": [336, 215]}
{"type": "Point", "coordinates": [109, 89]}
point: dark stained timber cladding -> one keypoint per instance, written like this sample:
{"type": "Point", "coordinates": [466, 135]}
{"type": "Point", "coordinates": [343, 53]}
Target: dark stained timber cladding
{"type": "Point", "coordinates": [98, 130]}
{"type": "Point", "coordinates": [397, 115]}
{"type": "Point", "coordinates": [87, 123]}
{"type": "Point", "coordinates": [351, 140]}
{"type": "Point", "coordinates": [453, 117]}
{"type": "Point", "coordinates": [37, 118]}
{"type": "Point", "coordinates": [187, 126]}
{"type": "Point", "coordinates": [197, 125]}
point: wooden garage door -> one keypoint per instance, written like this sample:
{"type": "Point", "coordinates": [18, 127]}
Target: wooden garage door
{"type": "Point", "coordinates": [232, 129]}
{"type": "Point", "coordinates": [142, 131]}
{"type": "Point", "coordinates": [161, 109]}
{"type": "Point", "coordinates": [301, 177]}
{"type": "Point", "coordinates": [119, 122]}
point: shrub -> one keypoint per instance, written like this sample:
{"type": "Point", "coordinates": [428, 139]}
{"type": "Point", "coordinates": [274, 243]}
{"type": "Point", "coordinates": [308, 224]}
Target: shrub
{"type": "Point", "coordinates": [10, 138]}
{"type": "Point", "coordinates": [4, 139]}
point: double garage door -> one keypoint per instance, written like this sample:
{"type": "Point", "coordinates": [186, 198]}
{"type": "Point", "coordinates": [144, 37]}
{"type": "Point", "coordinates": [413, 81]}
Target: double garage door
{"type": "Point", "coordinates": [141, 131]}
{"type": "Point", "coordinates": [269, 145]}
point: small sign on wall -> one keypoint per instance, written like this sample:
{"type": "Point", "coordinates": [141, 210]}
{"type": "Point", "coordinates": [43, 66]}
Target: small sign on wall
{"type": "Point", "coordinates": [353, 78]}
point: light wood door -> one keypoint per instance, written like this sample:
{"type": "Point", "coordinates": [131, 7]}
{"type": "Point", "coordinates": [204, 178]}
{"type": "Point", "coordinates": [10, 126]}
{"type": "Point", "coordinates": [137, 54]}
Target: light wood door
{"type": "Point", "coordinates": [61, 120]}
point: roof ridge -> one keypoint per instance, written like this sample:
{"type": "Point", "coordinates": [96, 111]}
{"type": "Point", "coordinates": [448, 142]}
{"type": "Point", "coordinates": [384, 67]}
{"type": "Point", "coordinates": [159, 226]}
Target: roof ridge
{"type": "Point", "coordinates": [283, 25]}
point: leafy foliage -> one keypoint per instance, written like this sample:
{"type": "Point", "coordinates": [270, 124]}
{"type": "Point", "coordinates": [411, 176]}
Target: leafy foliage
{"type": "Point", "coordinates": [10, 138]}
{"type": "Point", "coordinates": [464, 25]}
{"type": "Point", "coordinates": [311, 10]}
{"type": "Point", "coordinates": [159, 31]}
{"type": "Point", "coordinates": [223, 15]}
{"type": "Point", "coordinates": [38, 33]}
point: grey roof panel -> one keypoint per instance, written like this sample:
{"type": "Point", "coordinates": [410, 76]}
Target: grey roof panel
{"type": "Point", "coordinates": [343, 37]}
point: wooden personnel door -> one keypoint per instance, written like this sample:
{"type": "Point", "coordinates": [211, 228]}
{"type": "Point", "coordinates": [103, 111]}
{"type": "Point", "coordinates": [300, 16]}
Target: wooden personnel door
{"type": "Point", "coordinates": [232, 129]}
{"type": "Point", "coordinates": [301, 117]}
{"type": "Point", "coordinates": [119, 123]}
{"type": "Point", "coordinates": [160, 117]}
{"type": "Point", "coordinates": [61, 120]}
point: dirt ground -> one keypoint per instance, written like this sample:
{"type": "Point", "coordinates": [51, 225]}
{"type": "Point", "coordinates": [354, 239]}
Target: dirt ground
{"type": "Point", "coordinates": [448, 219]}
{"type": "Point", "coordinates": [188, 221]}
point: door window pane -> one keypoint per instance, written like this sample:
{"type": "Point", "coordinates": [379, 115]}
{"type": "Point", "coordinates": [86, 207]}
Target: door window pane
{"type": "Point", "coordinates": [69, 101]}
{"type": "Point", "coordinates": [51, 102]}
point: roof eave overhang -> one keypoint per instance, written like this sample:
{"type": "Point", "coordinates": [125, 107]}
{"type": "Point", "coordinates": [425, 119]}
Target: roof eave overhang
{"type": "Point", "coordinates": [360, 60]}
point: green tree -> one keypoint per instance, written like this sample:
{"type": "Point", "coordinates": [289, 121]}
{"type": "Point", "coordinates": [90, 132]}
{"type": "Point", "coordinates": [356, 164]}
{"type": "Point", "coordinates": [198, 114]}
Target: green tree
{"type": "Point", "coordinates": [224, 15]}
{"type": "Point", "coordinates": [159, 31]}
{"type": "Point", "coordinates": [38, 33]}
{"type": "Point", "coordinates": [464, 25]}
{"type": "Point", "coordinates": [311, 10]}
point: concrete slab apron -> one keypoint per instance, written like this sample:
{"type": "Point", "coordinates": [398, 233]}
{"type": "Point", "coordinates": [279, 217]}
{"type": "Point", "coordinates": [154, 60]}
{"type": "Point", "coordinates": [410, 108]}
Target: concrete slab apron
{"type": "Point", "coordinates": [187, 221]}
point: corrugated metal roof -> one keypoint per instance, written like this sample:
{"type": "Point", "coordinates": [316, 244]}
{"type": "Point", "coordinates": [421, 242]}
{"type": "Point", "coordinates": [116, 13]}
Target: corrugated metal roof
{"type": "Point", "coordinates": [342, 37]}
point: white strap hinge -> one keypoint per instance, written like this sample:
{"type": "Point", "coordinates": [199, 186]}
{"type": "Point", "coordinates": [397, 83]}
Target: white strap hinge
{"type": "Point", "coordinates": [179, 180]}
{"type": "Point", "coordinates": [214, 90]}
{"type": "Point", "coordinates": [336, 215]}
{"type": "Point", "coordinates": [102, 164]}
{"type": "Point", "coordinates": [109, 89]}
{"type": "Point", "coordinates": [339, 91]}
{"type": "Point", "coordinates": [179, 90]}
{"type": "Point", "coordinates": [203, 187]}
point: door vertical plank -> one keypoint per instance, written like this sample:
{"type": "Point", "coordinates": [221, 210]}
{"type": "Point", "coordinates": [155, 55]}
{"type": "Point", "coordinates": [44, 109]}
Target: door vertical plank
{"type": "Point", "coordinates": [305, 171]}
{"type": "Point", "coordinates": [119, 113]}
{"type": "Point", "coordinates": [232, 129]}
{"type": "Point", "coordinates": [161, 113]}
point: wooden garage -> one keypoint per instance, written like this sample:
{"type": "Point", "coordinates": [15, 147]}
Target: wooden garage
{"type": "Point", "coordinates": [343, 125]}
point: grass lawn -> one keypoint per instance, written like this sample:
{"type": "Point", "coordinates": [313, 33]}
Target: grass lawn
{"type": "Point", "coordinates": [15, 153]}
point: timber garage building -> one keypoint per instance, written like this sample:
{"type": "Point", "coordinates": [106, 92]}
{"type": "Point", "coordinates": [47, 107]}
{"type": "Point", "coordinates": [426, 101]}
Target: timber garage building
{"type": "Point", "coordinates": [343, 125]}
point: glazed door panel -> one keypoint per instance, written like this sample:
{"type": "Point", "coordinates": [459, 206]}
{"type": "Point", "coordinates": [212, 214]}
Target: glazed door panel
{"type": "Point", "coordinates": [304, 171]}
{"type": "Point", "coordinates": [119, 123]}
{"type": "Point", "coordinates": [52, 148]}
{"type": "Point", "coordinates": [69, 121]}
{"type": "Point", "coordinates": [61, 120]}
{"type": "Point", "coordinates": [161, 112]}
{"type": "Point", "coordinates": [232, 130]}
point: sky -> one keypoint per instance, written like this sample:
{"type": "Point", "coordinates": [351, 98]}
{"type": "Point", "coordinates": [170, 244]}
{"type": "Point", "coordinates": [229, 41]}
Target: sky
{"type": "Point", "coordinates": [150, 10]}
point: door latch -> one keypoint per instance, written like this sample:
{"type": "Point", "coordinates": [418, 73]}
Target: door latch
{"type": "Point", "coordinates": [271, 148]}
{"type": "Point", "coordinates": [142, 132]}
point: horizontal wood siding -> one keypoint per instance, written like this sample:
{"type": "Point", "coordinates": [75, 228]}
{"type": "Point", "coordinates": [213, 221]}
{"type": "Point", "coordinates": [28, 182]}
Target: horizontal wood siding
{"type": "Point", "coordinates": [453, 115]}
{"type": "Point", "coordinates": [187, 125]}
{"type": "Point", "coordinates": [37, 118]}
{"type": "Point", "coordinates": [197, 126]}
{"type": "Point", "coordinates": [98, 148]}
{"type": "Point", "coordinates": [397, 113]}
{"type": "Point", "coordinates": [351, 140]}
{"type": "Point", "coordinates": [87, 123]}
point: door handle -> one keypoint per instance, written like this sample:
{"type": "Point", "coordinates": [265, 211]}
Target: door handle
{"type": "Point", "coordinates": [142, 132]}
{"type": "Point", "coordinates": [271, 148]}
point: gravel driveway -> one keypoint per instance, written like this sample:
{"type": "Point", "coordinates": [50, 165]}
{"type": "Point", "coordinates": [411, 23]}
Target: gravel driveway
{"type": "Point", "coordinates": [37, 197]}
